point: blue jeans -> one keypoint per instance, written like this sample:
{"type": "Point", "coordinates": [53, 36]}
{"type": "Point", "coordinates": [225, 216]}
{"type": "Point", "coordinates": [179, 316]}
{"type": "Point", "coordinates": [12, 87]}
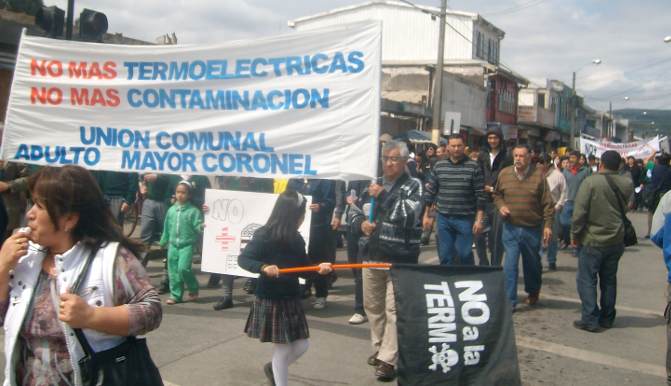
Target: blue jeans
{"type": "Point", "coordinates": [455, 233]}
{"type": "Point", "coordinates": [553, 245]}
{"type": "Point", "coordinates": [565, 221]}
{"type": "Point", "coordinates": [526, 241]}
{"type": "Point", "coordinates": [601, 261]}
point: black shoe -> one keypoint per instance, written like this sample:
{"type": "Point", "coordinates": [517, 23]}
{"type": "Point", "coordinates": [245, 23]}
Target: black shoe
{"type": "Point", "coordinates": [372, 360]}
{"type": "Point", "coordinates": [385, 372]}
{"type": "Point", "coordinates": [605, 324]}
{"type": "Point", "coordinates": [268, 370]}
{"type": "Point", "coordinates": [223, 303]}
{"type": "Point", "coordinates": [579, 324]}
{"type": "Point", "coordinates": [553, 266]}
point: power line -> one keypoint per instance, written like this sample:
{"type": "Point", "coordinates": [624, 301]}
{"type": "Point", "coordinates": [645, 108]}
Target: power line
{"type": "Point", "coordinates": [521, 7]}
{"type": "Point", "coordinates": [634, 69]}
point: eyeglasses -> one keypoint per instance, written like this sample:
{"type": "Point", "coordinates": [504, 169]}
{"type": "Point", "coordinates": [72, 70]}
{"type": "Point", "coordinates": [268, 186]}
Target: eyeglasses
{"type": "Point", "coordinates": [393, 160]}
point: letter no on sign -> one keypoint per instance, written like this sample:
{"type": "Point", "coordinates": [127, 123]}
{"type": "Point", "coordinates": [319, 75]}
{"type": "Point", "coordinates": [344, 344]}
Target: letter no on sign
{"type": "Point", "coordinates": [228, 210]}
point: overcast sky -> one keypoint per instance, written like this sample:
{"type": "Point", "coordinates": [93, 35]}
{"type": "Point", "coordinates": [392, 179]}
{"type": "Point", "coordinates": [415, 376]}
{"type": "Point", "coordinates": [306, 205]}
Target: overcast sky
{"type": "Point", "coordinates": [544, 38]}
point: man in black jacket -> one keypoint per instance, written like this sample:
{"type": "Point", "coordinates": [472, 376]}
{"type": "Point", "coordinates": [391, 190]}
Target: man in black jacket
{"type": "Point", "coordinates": [492, 161]}
{"type": "Point", "coordinates": [394, 238]}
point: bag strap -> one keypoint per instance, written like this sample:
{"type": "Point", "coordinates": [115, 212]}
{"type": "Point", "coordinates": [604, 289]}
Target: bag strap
{"type": "Point", "coordinates": [88, 350]}
{"type": "Point", "coordinates": [618, 196]}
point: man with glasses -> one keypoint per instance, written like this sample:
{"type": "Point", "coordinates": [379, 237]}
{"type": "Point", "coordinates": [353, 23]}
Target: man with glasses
{"type": "Point", "coordinates": [394, 233]}
{"type": "Point", "coordinates": [456, 185]}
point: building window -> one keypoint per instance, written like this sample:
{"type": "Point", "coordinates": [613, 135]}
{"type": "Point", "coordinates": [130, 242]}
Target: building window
{"type": "Point", "coordinates": [489, 50]}
{"type": "Point", "coordinates": [482, 47]}
{"type": "Point", "coordinates": [541, 100]}
{"type": "Point", "coordinates": [478, 52]}
{"type": "Point", "coordinates": [506, 101]}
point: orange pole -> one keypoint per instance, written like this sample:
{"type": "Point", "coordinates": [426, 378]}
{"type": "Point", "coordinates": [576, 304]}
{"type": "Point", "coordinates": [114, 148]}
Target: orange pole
{"type": "Point", "coordinates": [335, 266]}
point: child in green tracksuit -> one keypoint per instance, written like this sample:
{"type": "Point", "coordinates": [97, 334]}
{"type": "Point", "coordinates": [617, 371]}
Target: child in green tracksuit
{"type": "Point", "coordinates": [183, 225]}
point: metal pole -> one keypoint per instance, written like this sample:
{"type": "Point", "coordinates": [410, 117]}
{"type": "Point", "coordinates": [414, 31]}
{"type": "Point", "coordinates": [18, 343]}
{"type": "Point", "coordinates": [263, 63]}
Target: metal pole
{"type": "Point", "coordinates": [573, 114]}
{"type": "Point", "coordinates": [612, 119]}
{"type": "Point", "coordinates": [438, 94]}
{"type": "Point", "coordinates": [70, 17]}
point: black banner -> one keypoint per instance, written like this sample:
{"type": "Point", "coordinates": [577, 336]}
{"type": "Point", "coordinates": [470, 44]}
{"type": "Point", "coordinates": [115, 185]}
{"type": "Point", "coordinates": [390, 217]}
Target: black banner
{"type": "Point", "coordinates": [454, 326]}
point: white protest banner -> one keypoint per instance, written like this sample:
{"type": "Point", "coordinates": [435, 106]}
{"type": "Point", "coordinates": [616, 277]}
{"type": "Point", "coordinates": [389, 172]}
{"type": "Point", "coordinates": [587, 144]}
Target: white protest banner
{"type": "Point", "coordinates": [639, 149]}
{"type": "Point", "coordinates": [300, 104]}
{"type": "Point", "coordinates": [230, 223]}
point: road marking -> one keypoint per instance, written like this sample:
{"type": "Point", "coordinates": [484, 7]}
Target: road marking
{"type": "Point", "coordinates": [591, 356]}
{"type": "Point", "coordinates": [166, 383]}
{"type": "Point", "coordinates": [617, 307]}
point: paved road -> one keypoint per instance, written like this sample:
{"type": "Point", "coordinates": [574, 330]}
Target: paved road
{"type": "Point", "coordinates": [198, 346]}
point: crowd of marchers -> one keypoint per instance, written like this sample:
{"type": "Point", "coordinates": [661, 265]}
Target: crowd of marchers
{"type": "Point", "coordinates": [498, 204]}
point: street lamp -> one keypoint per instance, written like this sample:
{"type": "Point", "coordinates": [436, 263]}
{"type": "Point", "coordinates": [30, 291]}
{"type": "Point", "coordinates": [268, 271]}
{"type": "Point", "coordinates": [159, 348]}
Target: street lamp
{"type": "Point", "coordinates": [596, 62]}
{"type": "Point", "coordinates": [667, 39]}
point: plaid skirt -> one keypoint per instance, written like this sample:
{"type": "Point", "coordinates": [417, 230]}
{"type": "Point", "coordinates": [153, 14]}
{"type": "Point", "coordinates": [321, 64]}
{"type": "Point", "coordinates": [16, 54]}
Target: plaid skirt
{"type": "Point", "coordinates": [277, 320]}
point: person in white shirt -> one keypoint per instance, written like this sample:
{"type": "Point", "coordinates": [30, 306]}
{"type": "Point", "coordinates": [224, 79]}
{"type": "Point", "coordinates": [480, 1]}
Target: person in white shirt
{"type": "Point", "coordinates": [557, 184]}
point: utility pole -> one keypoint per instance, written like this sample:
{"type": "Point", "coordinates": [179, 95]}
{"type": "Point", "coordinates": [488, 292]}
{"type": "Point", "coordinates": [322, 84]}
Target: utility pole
{"type": "Point", "coordinates": [70, 16]}
{"type": "Point", "coordinates": [574, 106]}
{"type": "Point", "coordinates": [612, 119]}
{"type": "Point", "coordinates": [438, 85]}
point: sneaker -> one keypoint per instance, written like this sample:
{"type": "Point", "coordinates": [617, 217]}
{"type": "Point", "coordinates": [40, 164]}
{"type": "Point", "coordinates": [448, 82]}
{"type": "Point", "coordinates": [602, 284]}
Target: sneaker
{"type": "Point", "coordinates": [385, 372]}
{"type": "Point", "coordinates": [553, 266]}
{"type": "Point", "coordinates": [579, 324]}
{"type": "Point", "coordinates": [268, 370]}
{"type": "Point", "coordinates": [319, 304]}
{"type": "Point", "coordinates": [358, 319]}
{"type": "Point", "coordinates": [223, 303]}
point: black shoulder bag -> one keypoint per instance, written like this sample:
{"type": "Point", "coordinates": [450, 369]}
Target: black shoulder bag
{"type": "Point", "coordinates": [630, 237]}
{"type": "Point", "coordinates": [128, 364]}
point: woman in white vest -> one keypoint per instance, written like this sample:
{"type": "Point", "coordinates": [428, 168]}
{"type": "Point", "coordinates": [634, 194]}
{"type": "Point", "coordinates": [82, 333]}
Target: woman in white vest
{"type": "Point", "coordinates": [38, 264]}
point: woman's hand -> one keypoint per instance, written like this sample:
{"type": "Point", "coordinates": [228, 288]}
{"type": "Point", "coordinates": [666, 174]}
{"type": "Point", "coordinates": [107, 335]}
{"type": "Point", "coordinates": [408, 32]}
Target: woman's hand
{"type": "Point", "coordinates": [13, 248]}
{"type": "Point", "coordinates": [271, 271]}
{"type": "Point", "coordinates": [325, 268]}
{"type": "Point", "coordinates": [75, 311]}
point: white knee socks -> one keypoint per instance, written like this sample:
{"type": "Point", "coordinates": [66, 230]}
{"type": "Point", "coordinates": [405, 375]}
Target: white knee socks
{"type": "Point", "coordinates": [284, 355]}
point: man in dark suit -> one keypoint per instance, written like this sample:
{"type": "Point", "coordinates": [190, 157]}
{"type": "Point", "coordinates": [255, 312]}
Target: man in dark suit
{"type": "Point", "coordinates": [492, 160]}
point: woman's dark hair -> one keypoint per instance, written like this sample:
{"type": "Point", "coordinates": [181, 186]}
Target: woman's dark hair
{"type": "Point", "coordinates": [286, 216]}
{"type": "Point", "coordinates": [73, 190]}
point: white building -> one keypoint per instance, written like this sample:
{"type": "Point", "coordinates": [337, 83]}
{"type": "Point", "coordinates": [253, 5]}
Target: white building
{"type": "Point", "coordinates": [410, 34]}
{"type": "Point", "coordinates": [409, 51]}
